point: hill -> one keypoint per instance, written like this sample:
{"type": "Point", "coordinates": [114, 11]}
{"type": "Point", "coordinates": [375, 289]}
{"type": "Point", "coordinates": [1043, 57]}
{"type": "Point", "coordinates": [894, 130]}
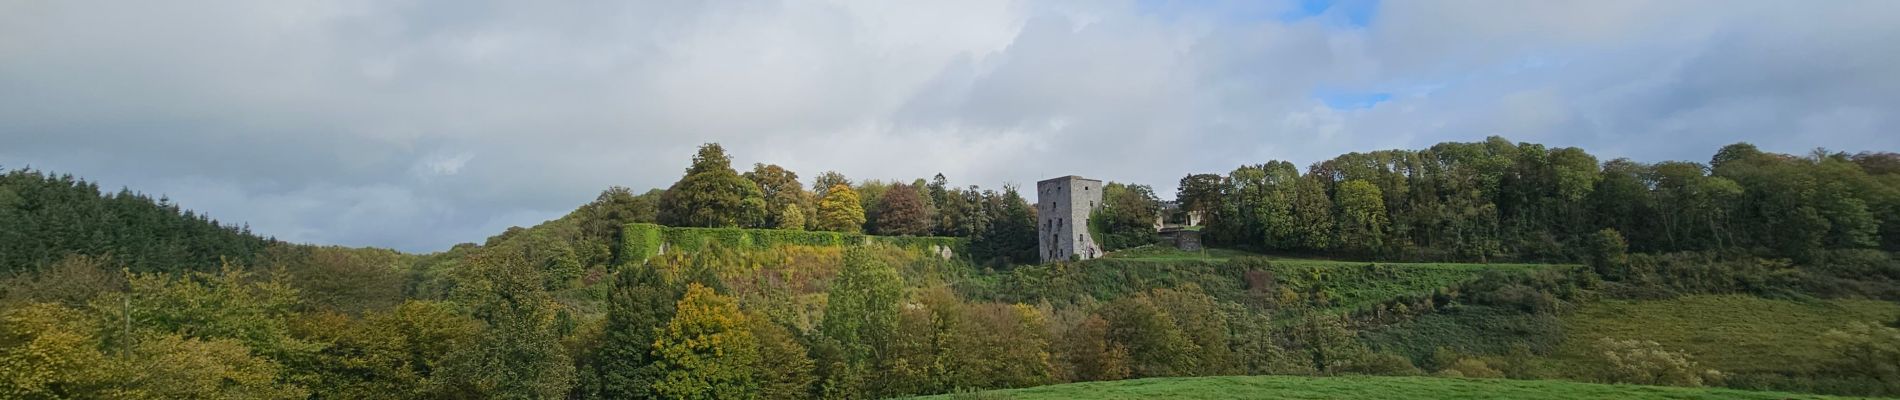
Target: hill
{"type": "Point", "coordinates": [1360, 388]}
{"type": "Point", "coordinates": [45, 218]}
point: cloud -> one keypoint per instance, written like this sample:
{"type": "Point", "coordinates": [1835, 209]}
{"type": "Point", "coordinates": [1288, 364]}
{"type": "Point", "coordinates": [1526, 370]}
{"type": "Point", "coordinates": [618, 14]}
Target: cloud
{"type": "Point", "coordinates": [419, 124]}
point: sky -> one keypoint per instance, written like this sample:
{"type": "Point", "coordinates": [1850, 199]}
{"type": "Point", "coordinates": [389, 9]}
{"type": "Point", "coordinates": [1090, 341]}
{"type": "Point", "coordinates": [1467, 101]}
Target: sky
{"type": "Point", "coordinates": [418, 124]}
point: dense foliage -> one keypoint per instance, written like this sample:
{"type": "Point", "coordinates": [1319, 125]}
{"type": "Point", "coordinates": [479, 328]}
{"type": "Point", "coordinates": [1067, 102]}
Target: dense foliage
{"type": "Point", "coordinates": [1501, 200]}
{"type": "Point", "coordinates": [1681, 280]}
{"type": "Point", "coordinates": [44, 218]}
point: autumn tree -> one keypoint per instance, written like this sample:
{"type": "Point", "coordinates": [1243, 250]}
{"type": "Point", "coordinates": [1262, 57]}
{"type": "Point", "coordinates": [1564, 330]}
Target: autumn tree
{"type": "Point", "coordinates": [902, 212]}
{"type": "Point", "coordinates": [707, 351]}
{"type": "Point", "coordinates": [839, 210]}
{"type": "Point", "coordinates": [712, 194]}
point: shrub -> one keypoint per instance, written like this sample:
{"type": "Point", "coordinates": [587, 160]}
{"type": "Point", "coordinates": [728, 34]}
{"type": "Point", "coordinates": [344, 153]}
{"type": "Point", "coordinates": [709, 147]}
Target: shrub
{"type": "Point", "coordinates": [1470, 368]}
{"type": "Point", "coordinates": [1645, 362]}
{"type": "Point", "coordinates": [1866, 350]}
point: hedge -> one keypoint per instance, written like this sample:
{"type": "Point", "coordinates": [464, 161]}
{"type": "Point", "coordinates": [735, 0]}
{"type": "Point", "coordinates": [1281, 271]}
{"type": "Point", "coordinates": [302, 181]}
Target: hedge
{"type": "Point", "coordinates": [641, 240]}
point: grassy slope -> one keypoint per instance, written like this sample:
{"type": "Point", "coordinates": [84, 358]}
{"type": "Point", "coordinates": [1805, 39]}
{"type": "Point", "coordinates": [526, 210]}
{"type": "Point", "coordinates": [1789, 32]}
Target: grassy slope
{"type": "Point", "coordinates": [1729, 333]}
{"type": "Point", "coordinates": [1362, 387]}
{"type": "Point", "coordinates": [1346, 284]}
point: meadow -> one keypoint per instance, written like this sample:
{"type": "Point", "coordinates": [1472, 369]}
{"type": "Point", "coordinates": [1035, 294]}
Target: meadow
{"type": "Point", "coordinates": [1360, 388]}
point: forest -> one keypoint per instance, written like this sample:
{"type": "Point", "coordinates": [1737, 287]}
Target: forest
{"type": "Point", "coordinates": [1488, 259]}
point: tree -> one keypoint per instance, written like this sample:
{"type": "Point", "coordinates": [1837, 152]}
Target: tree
{"type": "Point", "coordinates": [791, 217]}
{"type": "Point", "coordinates": [1362, 218]}
{"type": "Point", "coordinates": [860, 315]}
{"type": "Point", "coordinates": [49, 351]}
{"type": "Point", "coordinates": [839, 210]}
{"type": "Point", "coordinates": [784, 196]}
{"type": "Point", "coordinates": [712, 194]}
{"type": "Point", "coordinates": [1313, 210]}
{"type": "Point", "coordinates": [1607, 253]}
{"type": "Point", "coordinates": [389, 354]}
{"type": "Point", "coordinates": [871, 199]}
{"type": "Point", "coordinates": [641, 302]}
{"type": "Point", "coordinates": [614, 208]}
{"type": "Point", "coordinates": [902, 212]}
{"type": "Point", "coordinates": [1155, 344]}
{"type": "Point", "coordinates": [707, 351]}
{"type": "Point", "coordinates": [828, 179]}
{"type": "Point", "coordinates": [1200, 193]}
{"type": "Point", "coordinates": [784, 370]}
{"type": "Point", "coordinates": [1010, 236]}
{"type": "Point", "coordinates": [1127, 216]}
{"type": "Point", "coordinates": [518, 356]}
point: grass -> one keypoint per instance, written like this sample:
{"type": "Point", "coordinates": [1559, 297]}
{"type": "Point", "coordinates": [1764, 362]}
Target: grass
{"type": "Point", "coordinates": [1730, 333]}
{"type": "Point", "coordinates": [1360, 387]}
{"type": "Point", "coordinates": [1327, 285]}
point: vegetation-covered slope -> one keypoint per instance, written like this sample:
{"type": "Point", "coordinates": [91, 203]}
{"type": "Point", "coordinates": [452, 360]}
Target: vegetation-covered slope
{"type": "Point", "coordinates": [1731, 333]}
{"type": "Point", "coordinates": [1361, 388]}
{"type": "Point", "coordinates": [565, 309]}
{"type": "Point", "coordinates": [45, 218]}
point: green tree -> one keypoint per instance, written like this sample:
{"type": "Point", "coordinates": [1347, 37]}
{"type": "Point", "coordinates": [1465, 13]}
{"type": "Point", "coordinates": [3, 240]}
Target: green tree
{"type": "Point", "coordinates": [791, 217]}
{"type": "Point", "coordinates": [861, 312]}
{"type": "Point", "coordinates": [1127, 216]}
{"type": "Point", "coordinates": [839, 210]}
{"type": "Point", "coordinates": [1154, 341]}
{"type": "Point", "coordinates": [1010, 235]}
{"type": "Point", "coordinates": [785, 371]}
{"type": "Point", "coordinates": [518, 355]}
{"type": "Point", "coordinates": [391, 354]}
{"type": "Point", "coordinates": [640, 304]}
{"type": "Point", "coordinates": [1200, 193]}
{"type": "Point", "coordinates": [707, 351]}
{"type": "Point", "coordinates": [1313, 211]}
{"type": "Point", "coordinates": [1362, 217]}
{"type": "Point", "coordinates": [712, 194]}
{"type": "Point", "coordinates": [784, 196]}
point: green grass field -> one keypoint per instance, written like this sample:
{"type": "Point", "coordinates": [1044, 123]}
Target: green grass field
{"type": "Point", "coordinates": [1361, 387]}
{"type": "Point", "coordinates": [1729, 333]}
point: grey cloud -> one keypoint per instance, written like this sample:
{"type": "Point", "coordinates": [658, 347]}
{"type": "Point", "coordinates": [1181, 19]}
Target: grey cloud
{"type": "Point", "coordinates": [418, 124]}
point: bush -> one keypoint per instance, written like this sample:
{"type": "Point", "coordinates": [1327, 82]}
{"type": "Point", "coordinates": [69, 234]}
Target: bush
{"type": "Point", "coordinates": [1470, 368]}
{"type": "Point", "coordinates": [1866, 350]}
{"type": "Point", "coordinates": [1645, 362]}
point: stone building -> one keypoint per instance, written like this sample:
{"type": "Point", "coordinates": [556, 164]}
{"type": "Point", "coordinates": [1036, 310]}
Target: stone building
{"type": "Point", "coordinates": [1063, 206]}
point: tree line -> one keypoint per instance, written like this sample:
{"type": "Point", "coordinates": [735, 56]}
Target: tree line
{"type": "Point", "coordinates": [1000, 225]}
{"type": "Point", "coordinates": [1498, 200]}
{"type": "Point", "coordinates": [45, 217]}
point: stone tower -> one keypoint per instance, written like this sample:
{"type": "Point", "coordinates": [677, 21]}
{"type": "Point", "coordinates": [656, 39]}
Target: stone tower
{"type": "Point", "coordinates": [1063, 206]}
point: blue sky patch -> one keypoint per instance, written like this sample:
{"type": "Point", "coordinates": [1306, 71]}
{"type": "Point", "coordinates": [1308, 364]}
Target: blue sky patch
{"type": "Point", "coordinates": [1343, 100]}
{"type": "Point", "coordinates": [1350, 13]}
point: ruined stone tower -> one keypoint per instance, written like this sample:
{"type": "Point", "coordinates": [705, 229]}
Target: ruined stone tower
{"type": "Point", "coordinates": [1062, 210]}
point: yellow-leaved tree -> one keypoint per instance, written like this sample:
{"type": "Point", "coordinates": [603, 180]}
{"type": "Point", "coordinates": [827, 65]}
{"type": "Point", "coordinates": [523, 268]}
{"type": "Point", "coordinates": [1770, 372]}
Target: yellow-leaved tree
{"type": "Point", "coordinates": [707, 351]}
